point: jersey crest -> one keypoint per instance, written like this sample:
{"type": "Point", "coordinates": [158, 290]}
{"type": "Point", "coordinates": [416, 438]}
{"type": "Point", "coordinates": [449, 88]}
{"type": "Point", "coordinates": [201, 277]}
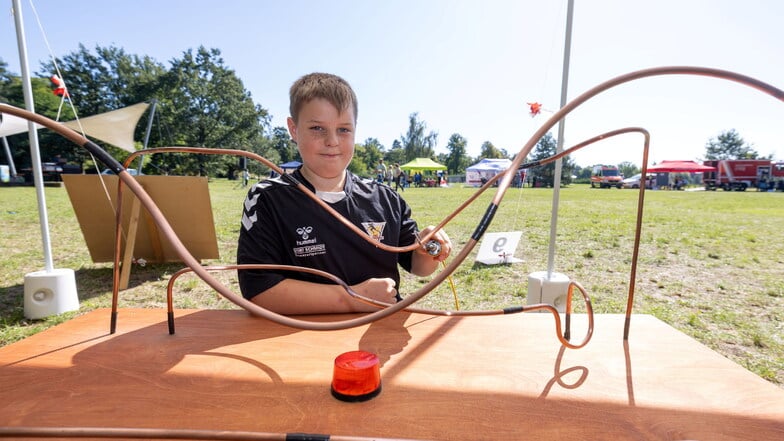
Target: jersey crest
{"type": "Point", "coordinates": [375, 229]}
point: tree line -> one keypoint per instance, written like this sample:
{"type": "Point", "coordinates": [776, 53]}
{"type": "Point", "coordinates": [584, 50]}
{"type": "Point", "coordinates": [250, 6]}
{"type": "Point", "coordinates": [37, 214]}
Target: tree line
{"type": "Point", "coordinates": [202, 103]}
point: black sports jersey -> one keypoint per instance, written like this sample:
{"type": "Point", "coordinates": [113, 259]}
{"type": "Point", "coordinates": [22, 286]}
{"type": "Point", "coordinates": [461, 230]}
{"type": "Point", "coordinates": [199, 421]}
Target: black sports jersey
{"type": "Point", "coordinates": [281, 225]}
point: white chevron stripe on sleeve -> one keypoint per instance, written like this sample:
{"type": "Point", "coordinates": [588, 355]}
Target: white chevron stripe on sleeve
{"type": "Point", "coordinates": [251, 202]}
{"type": "Point", "coordinates": [248, 222]}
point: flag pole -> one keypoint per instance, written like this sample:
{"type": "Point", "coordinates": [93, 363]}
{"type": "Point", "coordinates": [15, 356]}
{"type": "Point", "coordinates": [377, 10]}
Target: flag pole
{"type": "Point", "coordinates": [548, 286]}
{"type": "Point", "coordinates": [560, 142]}
{"type": "Point", "coordinates": [51, 291]}
{"type": "Point", "coordinates": [35, 154]}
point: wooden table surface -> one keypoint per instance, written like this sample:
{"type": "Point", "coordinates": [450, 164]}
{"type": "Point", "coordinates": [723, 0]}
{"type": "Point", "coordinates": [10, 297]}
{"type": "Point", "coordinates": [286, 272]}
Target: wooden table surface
{"type": "Point", "coordinates": [469, 378]}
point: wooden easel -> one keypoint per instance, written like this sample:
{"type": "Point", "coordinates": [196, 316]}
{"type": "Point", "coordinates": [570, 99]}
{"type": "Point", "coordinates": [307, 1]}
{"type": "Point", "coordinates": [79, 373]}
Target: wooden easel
{"type": "Point", "coordinates": [184, 200]}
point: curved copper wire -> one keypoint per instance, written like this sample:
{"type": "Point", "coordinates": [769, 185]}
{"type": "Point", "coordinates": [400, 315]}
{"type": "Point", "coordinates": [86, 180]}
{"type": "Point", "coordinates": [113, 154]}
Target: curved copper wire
{"type": "Point", "coordinates": [299, 185]}
{"type": "Point", "coordinates": [353, 294]}
{"type": "Point", "coordinates": [182, 434]}
{"type": "Point", "coordinates": [563, 337]}
{"type": "Point", "coordinates": [563, 333]}
{"type": "Point", "coordinates": [178, 246]}
{"type": "Point", "coordinates": [191, 262]}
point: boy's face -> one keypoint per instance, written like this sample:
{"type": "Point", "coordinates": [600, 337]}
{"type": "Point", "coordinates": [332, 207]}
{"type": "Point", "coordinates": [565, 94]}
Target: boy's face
{"type": "Point", "coordinates": [325, 138]}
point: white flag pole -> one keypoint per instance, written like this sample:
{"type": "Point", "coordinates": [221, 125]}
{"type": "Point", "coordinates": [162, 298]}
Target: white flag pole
{"type": "Point", "coordinates": [52, 291]}
{"type": "Point", "coordinates": [32, 132]}
{"type": "Point", "coordinates": [547, 286]}
{"type": "Point", "coordinates": [560, 145]}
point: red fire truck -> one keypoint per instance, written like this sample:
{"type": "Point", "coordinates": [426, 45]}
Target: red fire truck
{"type": "Point", "coordinates": [740, 174]}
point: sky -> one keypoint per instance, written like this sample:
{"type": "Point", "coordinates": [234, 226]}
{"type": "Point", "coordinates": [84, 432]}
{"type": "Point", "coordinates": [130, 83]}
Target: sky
{"type": "Point", "coordinates": [465, 67]}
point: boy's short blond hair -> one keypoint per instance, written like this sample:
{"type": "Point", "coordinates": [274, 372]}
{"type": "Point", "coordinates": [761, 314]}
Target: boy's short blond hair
{"type": "Point", "coordinates": [330, 87]}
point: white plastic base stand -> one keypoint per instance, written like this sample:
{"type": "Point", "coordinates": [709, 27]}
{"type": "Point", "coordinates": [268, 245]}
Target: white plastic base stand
{"type": "Point", "coordinates": [49, 293]}
{"type": "Point", "coordinates": [552, 290]}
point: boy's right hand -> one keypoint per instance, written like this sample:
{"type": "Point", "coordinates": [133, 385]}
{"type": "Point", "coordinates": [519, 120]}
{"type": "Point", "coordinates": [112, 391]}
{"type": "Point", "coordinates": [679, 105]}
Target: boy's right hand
{"type": "Point", "coordinates": [382, 289]}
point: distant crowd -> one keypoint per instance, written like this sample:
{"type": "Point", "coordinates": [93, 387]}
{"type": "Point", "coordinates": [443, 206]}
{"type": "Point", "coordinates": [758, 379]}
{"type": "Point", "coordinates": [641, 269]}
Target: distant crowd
{"type": "Point", "coordinates": [402, 179]}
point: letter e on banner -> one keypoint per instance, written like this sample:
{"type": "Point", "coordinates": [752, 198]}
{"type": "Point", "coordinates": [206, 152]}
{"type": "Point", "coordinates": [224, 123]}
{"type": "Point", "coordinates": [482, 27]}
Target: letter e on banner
{"type": "Point", "coordinates": [499, 248]}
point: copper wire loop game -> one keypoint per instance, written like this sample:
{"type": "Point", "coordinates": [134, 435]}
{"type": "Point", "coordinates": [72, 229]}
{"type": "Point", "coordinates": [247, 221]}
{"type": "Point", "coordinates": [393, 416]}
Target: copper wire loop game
{"type": "Point", "coordinates": [536, 370]}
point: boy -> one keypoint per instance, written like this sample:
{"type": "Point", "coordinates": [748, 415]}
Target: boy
{"type": "Point", "coordinates": [281, 225]}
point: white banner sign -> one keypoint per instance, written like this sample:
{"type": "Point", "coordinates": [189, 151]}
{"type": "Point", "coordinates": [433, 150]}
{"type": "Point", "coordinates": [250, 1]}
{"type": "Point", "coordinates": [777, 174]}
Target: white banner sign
{"type": "Point", "coordinates": [499, 248]}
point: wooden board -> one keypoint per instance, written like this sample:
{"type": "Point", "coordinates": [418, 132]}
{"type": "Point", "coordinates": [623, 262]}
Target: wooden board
{"type": "Point", "coordinates": [184, 200]}
{"type": "Point", "coordinates": [475, 378]}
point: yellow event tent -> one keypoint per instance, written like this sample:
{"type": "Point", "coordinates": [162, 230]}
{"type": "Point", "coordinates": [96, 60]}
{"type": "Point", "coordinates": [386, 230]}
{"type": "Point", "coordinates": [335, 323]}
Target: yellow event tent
{"type": "Point", "coordinates": [422, 164]}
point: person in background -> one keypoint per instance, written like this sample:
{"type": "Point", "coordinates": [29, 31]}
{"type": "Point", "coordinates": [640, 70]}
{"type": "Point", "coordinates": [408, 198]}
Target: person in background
{"type": "Point", "coordinates": [397, 174]}
{"type": "Point", "coordinates": [281, 225]}
{"type": "Point", "coordinates": [381, 171]}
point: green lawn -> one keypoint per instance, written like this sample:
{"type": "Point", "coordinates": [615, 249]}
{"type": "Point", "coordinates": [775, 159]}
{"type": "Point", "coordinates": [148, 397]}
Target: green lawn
{"type": "Point", "coordinates": [710, 262]}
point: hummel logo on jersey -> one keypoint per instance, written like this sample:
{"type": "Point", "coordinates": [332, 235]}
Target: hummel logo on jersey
{"type": "Point", "coordinates": [308, 246]}
{"type": "Point", "coordinates": [304, 232]}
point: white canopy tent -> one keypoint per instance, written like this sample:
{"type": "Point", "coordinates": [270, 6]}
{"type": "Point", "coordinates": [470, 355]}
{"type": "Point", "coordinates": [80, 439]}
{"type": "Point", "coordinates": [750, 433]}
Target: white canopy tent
{"type": "Point", "coordinates": [12, 125]}
{"type": "Point", "coordinates": [115, 127]}
{"type": "Point", "coordinates": [485, 169]}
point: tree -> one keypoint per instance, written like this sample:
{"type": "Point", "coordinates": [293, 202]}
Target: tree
{"type": "Point", "coordinates": [729, 145]}
{"type": "Point", "coordinates": [262, 147]}
{"type": "Point", "coordinates": [415, 142]}
{"type": "Point", "coordinates": [456, 161]}
{"type": "Point", "coordinates": [106, 80]}
{"type": "Point", "coordinates": [371, 152]}
{"type": "Point", "coordinates": [545, 148]}
{"type": "Point", "coordinates": [489, 151]}
{"type": "Point", "coordinates": [208, 106]}
{"type": "Point", "coordinates": [201, 102]}
{"type": "Point", "coordinates": [582, 173]}
{"type": "Point", "coordinates": [5, 81]}
{"type": "Point", "coordinates": [46, 104]}
{"type": "Point", "coordinates": [397, 154]}
{"type": "Point", "coordinates": [357, 164]}
{"type": "Point", "coordinates": [628, 169]}
{"type": "Point", "coordinates": [282, 143]}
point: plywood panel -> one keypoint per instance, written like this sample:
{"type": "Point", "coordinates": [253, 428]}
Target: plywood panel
{"type": "Point", "coordinates": [500, 377]}
{"type": "Point", "coordinates": [184, 200]}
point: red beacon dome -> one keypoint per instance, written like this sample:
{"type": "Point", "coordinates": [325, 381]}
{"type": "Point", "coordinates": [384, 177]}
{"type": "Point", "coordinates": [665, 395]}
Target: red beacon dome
{"type": "Point", "coordinates": [356, 376]}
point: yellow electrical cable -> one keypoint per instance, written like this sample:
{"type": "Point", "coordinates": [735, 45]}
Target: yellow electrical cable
{"type": "Point", "coordinates": [452, 285]}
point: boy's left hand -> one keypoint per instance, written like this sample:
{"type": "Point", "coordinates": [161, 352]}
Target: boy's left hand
{"type": "Point", "coordinates": [442, 238]}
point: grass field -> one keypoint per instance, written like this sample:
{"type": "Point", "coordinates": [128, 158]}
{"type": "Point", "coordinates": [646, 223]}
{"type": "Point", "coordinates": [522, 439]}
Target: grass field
{"type": "Point", "coordinates": [711, 263]}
